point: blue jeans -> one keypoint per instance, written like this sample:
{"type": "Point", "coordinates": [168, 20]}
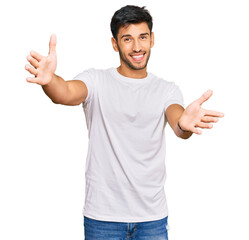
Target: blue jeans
{"type": "Point", "coordinates": [105, 230]}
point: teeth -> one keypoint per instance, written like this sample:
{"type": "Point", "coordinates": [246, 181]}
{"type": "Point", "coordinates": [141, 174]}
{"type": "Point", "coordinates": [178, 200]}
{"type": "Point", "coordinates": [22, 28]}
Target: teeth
{"type": "Point", "coordinates": [137, 56]}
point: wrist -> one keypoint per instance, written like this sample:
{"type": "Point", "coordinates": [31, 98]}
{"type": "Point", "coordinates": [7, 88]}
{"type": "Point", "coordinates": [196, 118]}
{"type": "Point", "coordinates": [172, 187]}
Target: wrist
{"type": "Point", "coordinates": [50, 80]}
{"type": "Point", "coordinates": [180, 127]}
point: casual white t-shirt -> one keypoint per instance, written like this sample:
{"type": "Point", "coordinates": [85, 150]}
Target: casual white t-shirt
{"type": "Point", "coordinates": [125, 166]}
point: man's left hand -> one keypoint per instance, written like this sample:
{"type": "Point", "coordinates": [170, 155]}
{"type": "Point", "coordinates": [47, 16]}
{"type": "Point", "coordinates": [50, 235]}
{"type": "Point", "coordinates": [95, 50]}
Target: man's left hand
{"type": "Point", "coordinates": [195, 116]}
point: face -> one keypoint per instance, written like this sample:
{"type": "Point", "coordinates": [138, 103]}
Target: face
{"type": "Point", "coordinates": [134, 44]}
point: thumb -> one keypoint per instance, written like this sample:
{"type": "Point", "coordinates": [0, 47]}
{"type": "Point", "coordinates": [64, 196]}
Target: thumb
{"type": "Point", "coordinates": [205, 97]}
{"type": "Point", "coordinates": [52, 44]}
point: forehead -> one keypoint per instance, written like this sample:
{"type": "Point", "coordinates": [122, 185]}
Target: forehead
{"type": "Point", "coordinates": [134, 29]}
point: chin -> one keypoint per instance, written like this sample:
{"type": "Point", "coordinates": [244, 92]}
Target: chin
{"type": "Point", "coordinates": [137, 67]}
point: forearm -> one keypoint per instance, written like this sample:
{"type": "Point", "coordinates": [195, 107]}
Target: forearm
{"type": "Point", "coordinates": [174, 114]}
{"type": "Point", "coordinates": [57, 90]}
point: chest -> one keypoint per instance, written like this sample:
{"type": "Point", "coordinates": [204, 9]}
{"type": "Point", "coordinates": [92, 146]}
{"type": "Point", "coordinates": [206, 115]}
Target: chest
{"type": "Point", "coordinates": [141, 104]}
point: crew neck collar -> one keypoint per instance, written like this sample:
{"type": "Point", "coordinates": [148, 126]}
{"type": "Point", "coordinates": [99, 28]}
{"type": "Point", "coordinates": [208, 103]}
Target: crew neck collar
{"type": "Point", "coordinates": [130, 80]}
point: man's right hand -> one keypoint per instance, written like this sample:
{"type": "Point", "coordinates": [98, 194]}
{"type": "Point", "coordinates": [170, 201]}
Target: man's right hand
{"type": "Point", "coordinates": [43, 66]}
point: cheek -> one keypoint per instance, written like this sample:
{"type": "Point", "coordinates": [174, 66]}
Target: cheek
{"type": "Point", "coordinates": [126, 49]}
{"type": "Point", "coordinates": [148, 45]}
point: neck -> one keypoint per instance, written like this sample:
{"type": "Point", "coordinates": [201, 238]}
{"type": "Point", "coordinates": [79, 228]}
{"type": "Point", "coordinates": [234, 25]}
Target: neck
{"type": "Point", "coordinates": [131, 73]}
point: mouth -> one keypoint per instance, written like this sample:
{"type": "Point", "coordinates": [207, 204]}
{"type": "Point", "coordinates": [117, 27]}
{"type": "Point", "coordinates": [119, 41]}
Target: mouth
{"type": "Point", "coordinates": [138, 57]}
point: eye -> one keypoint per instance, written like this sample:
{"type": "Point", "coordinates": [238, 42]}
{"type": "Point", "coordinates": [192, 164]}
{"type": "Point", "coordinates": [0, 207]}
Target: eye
{"type": "Point", "coordinates": [144, 37]}
{"type": "Point", "coordinates": [127, 39]}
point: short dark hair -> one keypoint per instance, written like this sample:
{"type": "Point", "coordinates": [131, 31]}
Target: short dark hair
{"type": "Point", "coordinates": [130, 14]}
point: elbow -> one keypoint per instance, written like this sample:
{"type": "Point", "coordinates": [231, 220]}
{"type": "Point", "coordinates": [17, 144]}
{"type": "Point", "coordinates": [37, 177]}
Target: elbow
{"type": "Point", "coordinates": [54, 99]}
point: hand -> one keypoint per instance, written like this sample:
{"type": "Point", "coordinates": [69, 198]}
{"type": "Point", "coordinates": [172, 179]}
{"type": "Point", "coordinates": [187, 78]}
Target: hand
{"type": "Point", "coordinates": [43, 66]}
{"type": "Point", "coordinates": [196, 117]}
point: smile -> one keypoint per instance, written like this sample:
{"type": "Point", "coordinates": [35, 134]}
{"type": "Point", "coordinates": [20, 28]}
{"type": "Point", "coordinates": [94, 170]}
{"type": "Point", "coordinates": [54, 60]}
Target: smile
{"type": "Point", "coordinates": [138, 58]}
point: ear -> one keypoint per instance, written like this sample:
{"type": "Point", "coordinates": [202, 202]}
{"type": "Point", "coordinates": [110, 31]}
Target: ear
{"type": "Point", "coordinates": [152, 39]}
{"type": "Point", "coordinates": [114, 44]}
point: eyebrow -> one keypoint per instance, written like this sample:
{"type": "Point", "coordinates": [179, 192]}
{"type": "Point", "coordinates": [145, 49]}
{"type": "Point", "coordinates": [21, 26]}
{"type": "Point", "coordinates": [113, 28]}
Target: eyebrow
{"type": "Point", "coordinates": [128, 35]}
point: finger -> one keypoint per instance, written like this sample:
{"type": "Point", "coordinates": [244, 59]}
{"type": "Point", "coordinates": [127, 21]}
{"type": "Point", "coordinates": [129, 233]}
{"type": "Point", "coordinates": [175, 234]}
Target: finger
{"type": "Point", "coordinates": [204, 125]}
{"type": "Point", "coordinates": [36, 56]}
{"type": "Point", "coordinates": [213, 113]}
{"type": "Point", "coordinates": [32, 79]}
{"type": "Point", "coordinates": [196, 130]}
{"type": "Point", "coordinates": [31, 69]}
{"type": "Point", "coordinates": [205, 97]}
{"type": "Point", "coordinates": [209, 119]}
{"type": "Point", "coordinates": [52, 44]}
{"type": "Point", "coordinates": [32, 61]}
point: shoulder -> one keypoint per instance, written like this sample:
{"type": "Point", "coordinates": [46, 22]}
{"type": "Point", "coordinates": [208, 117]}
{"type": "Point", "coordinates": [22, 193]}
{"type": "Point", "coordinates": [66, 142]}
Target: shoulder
{"type": "Point", "coordinates": [91, 73]}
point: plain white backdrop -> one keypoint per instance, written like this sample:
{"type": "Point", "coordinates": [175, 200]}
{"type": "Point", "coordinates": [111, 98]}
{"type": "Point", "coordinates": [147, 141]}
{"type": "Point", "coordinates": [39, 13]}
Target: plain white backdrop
{"type": "Point", "coordinates": [199, 45]}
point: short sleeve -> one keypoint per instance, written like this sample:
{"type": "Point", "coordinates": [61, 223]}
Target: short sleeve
{"type": "Point", "coordinates": [87, 77]}
{"type": "Point", "coordinates": [173, 96]}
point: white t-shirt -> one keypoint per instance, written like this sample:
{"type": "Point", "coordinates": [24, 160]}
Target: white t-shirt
{"type": "Point", "coordinates": [125, 166]}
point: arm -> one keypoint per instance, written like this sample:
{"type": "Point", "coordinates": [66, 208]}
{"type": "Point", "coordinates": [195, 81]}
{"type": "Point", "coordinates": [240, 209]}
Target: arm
{"type": "Point", "coordinates": [192, 118]}
{"type": "Point", "coordinates": [72, 92]}
{"type": "Point", "coordinates": [173, 114]}
{"type": "Point", "coordinates": [59, 91]}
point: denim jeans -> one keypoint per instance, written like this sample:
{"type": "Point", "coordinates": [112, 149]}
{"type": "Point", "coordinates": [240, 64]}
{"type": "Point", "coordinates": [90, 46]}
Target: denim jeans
{"type": "Point", "coordinates": [105, 230]}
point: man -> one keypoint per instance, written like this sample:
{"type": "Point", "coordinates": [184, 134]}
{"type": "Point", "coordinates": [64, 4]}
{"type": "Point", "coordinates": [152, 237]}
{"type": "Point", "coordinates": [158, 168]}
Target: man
{"type": "Point", "coordinates": [126, 111]}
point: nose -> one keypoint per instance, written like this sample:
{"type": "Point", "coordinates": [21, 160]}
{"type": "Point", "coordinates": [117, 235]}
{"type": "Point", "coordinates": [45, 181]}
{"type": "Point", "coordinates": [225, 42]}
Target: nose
{"type": "Point", "coordinates": [136, 46]}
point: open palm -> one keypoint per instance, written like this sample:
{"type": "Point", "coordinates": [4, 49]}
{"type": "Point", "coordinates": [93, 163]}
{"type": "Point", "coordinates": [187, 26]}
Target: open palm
{"type": "Point", "coordinates": [43, 66]}
{"type": "Point", "coordinates": [195, 116]}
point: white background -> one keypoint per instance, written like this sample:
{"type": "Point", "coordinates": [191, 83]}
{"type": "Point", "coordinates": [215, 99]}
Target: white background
{"type": "Point", "coordinates": [199, 45]}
